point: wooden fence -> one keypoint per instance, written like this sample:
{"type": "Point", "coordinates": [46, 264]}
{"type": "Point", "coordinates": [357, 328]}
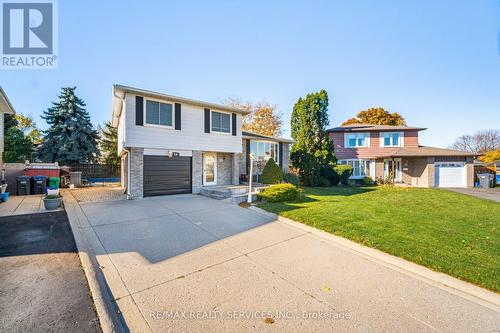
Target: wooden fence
{"type": "Point", "coordinates": [100, 173]}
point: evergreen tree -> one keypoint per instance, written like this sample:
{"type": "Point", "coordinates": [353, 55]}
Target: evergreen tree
{"type": "Point", "coordinates": [313, 148]}
{"type": "Point", "coordinates": [70, 138]}
{"type": "Point", "coordinates": [108, 144]}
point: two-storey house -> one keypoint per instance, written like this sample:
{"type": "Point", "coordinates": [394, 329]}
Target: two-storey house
{"type": "Point", "coordinates": [381, 151]}
{"type": "Point", "coordinates": [171, 145]}
{"type": "Point", "coordinates": [5, 108]}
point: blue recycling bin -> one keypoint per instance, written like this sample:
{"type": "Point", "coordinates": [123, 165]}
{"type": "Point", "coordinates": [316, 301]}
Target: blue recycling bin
{"type": "Point", "coordinates": [39, 184]}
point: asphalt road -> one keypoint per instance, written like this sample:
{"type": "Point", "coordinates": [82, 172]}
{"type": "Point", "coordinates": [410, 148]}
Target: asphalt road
{"type": "Point", "coordinates": [42, 285]}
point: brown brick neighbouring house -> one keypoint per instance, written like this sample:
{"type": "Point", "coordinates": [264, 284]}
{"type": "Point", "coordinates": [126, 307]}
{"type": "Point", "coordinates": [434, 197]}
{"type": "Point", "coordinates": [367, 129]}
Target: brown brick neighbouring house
{"type": "Point", "coordinates": [379, 151]}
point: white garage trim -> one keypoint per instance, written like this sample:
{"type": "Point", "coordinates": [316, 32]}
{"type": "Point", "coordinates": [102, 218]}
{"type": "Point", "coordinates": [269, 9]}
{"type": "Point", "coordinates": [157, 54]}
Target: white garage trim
{"type": "Point", "coordinates": [450, 174]}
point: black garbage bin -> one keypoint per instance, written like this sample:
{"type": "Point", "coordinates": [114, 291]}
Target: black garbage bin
{"type": "Point", "coordinates": [23, 185]}
{"type": "Point", "coordinates": [38, 184]}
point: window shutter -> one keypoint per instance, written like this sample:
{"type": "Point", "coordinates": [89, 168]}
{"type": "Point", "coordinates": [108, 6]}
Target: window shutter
{"type": "Point", "coordinates": [280, 154]}
{"type": "Point", "coordinates": [139, 110]}
{"type": "Point", "coordinates": [207, 120]}
{"type": "Point", "coordinates": [233, 116]}
{"type": "Point", "coordinates": [178, 116]}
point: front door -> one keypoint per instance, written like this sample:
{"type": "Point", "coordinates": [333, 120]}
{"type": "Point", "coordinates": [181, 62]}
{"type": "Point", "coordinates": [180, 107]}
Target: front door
{"type": "Point", "coordinates": [209, 168]}
{"type": "Point", "coordinates": [393, 167]}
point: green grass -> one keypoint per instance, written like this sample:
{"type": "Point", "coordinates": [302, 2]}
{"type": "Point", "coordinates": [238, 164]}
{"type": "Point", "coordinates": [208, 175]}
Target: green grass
{"type": "Point", "coordinates": [445, 231]}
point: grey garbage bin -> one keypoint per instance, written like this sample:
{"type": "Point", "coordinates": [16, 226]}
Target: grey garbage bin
{"type": "Point", "coordinates": [485, 180]}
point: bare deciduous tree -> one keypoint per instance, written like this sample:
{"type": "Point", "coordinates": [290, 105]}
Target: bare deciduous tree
{"type": "Point", "coordinates": [480, 142]}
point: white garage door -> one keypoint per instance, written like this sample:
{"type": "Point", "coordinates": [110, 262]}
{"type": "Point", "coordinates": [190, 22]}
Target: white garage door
{"type": "Point", "coordinates": [450, 174]}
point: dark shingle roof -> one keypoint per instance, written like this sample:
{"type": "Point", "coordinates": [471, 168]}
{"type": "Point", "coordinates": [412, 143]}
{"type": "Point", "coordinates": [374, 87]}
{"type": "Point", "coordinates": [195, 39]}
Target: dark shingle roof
{"type": "Point", "coordinates": [428, 151]}
{"type": "Point", "coordinates": [260, 136]}
{"type": "Point", "coordinates": [369, 127]}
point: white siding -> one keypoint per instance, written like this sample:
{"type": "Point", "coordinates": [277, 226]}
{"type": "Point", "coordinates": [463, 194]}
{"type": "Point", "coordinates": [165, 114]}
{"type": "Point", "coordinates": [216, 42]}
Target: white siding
{"type": "Point", "coordinates": [192, 135]}
{"type": "Point", "coordinates": [121, 130]}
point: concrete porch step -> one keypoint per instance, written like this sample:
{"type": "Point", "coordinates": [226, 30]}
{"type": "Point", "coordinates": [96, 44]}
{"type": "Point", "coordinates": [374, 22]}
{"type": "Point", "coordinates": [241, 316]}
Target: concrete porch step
{"type": "Point", "coordinates": [234, 193]}
{"type": "Point", "coordinates": [215, 193]}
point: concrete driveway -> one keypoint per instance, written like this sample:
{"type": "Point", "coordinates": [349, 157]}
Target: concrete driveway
{"type": "Point", "coordinates": [483, 193]}
{"type": "Point", "coordinates": [190, 263]}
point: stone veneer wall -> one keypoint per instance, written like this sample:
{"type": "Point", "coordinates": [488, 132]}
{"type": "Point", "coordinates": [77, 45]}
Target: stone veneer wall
{"type": "Point", "coordinates": [236, 169]}
{"type": "Point", "coordinates": [224, 168]}
{"type": "Point", "coordinates": [197, 172]}
{"type": "Point", "coordinates": [136, 172]}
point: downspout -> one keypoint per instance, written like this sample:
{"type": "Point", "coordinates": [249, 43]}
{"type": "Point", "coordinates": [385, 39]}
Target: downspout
{"type": "Point", "coordinates": [121, 97]}
{"type": "Point", "coordinates": [129, 196]}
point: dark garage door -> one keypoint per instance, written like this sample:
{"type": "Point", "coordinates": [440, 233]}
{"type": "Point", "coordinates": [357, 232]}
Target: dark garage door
{"type": "Point", "coordinates": [166, 175]}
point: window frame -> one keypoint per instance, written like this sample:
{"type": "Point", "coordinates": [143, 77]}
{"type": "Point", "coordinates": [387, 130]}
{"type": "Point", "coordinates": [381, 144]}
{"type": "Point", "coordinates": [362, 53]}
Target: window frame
{"type": "Point", "coordinates": [230, 122]}
{"type": "Point", "coordinates": [357, 135]}
{"type": "Point", "coordinates": [276, 150]}
{"type": "Point", "coordinates": [145, 108]}
{"type": "Point", "coordinates": [383, 135]}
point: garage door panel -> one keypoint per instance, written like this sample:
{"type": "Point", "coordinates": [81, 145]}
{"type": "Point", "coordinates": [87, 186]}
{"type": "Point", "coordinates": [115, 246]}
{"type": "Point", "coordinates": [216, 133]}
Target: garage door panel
{"type": "Point", "coordinates": [452, 174]}
{"type": "Point", "coordinates": [166, 175]}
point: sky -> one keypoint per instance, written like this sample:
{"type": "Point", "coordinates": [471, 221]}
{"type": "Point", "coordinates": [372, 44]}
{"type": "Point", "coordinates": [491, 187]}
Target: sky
{"type": "Point", "coordinates": [437, 63]}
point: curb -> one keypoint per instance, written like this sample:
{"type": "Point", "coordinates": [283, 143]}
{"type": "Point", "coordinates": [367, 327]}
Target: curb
{"type": "Point", "coordinates": [440, 280]}
{"type": "Point", "coordinates": [105, 306]}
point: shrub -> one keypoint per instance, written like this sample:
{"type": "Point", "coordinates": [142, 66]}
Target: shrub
{"type": "Point", "coordinates": [329, 173]}
{"type": "Point", "coordinates": [272, 173]}
{"type": "Point", "coordinates": [279, 193]}
{"type": "Point", "coordinates": [388, 181]}
{"type": "Point", "coordinates": [368, 181]}
{"type": "Point", "coordinates": [343, 172]}
{"type": "Point", "coordinates": [324, 182]}
{"type": "Point", "coordinates": [351, 182]}
{"type": "Point", "coordinates": [291, 178]}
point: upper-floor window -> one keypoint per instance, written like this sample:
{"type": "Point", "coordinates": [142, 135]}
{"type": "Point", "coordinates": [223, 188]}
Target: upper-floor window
{"type": "Point", "coordinates": [391, 139]}
{"type": "Point", "coordinates": [158, 113]}
{"type": "Point", "coordinates": [263, 150]}
{"type": "Point", "coordinates": [356, 140]}
{"type": "Point", "coordinates": [221, 122]}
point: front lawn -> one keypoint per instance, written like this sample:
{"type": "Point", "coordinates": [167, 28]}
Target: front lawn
{"type": "Point", "coordinates": [445, 231]}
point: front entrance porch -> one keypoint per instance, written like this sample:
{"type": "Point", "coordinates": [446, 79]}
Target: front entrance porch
{"type": "Point", "coordinates": [234, 193]}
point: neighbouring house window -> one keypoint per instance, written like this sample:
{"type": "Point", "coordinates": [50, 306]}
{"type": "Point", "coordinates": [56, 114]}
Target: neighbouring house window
{"type": "Point", "coordinates": [158, 113]}
{"type": "Point", "coordinates": [391, 139]}
{"type": "Point", "coordinates": [221, 122]}
{"type": "Point", "coordinates": [355, 140]}
{"type": "Point", "coordinates": [360, 168]}
{"type": "Point", "coordinates": [263, 151]}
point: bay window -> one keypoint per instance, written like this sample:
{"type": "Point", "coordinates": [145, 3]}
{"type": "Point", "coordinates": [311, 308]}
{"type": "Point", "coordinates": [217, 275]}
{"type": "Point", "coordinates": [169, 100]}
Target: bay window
{"type": "Point", "coordinates": [263, 150]}
{"type": "Point", "coordinates": [360, 168]}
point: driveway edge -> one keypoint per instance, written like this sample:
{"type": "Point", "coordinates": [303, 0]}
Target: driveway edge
{"type": "Point", "coordinates": [103, 301]}
{"type": "Point", "coordinates": [444, 281]}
